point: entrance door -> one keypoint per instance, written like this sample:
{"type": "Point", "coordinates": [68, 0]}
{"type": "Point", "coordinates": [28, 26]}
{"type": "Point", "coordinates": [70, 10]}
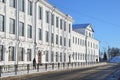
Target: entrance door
{"type": "Point", "coordinates": [39, 57]}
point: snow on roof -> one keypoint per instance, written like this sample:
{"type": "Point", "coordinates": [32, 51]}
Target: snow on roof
{"type": "Point", "coordinates": [76, 26]}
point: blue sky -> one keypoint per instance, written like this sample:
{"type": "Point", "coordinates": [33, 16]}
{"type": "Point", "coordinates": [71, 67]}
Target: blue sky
{"type": "Point", "coordinates": [104, 15]}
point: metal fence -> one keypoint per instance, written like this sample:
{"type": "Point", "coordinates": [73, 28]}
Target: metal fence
{"type": "Point", "coordinates": [11, 70]}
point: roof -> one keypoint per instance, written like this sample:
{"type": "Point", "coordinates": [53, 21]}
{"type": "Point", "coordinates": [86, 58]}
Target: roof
{"type": "Point", "coordinates": [78, 26]}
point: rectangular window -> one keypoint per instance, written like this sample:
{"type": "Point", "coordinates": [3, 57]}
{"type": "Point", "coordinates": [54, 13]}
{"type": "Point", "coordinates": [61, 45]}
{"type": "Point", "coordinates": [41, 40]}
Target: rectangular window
{"type": "Point", "coordinates": [52, 19]}
{"type": "Point", "coordinates": [29, 54]}
{"type": "Point", "coordinates": [57, 57]}
{"type": "Point", "coordinates": [40, 13]}
{"type": "Point", "coordinates": [57, 22]}
{"type": "Point", "coordinates": [73, 39]}
{"type": "Point", "coordinates": [21, 5]}
{"type": "Point", "coordinates": [60, 40]}
{"type": "Point", "coordinates": [21, 29]}
{"type": "Point", "coordinates": [64, 41]}
{"type": "Point", "coordinates": [60, 57]}
{"type": "Point", "coordinates": [20, 54]}
{"type": "Point", "coordinates": [11, 53]}
{"type": "Point", "coordinates": [64, 57]}
{"type": "Point", "coordinates": [1, 23]}
{"type": "Point", "coordinates": [40, 34]}
{"type": "Point", "coordinates": [47, 36]}
{"type": "Point", "coordinates": [52, 56]}
{"type": "Point", "coordinates": [12, 3]}
{"type": "Point", "coordinates": [29, 31]}
{"type": "Point", "coordinates": [12, 26]}
{"type": "Point", "coordinates": [1, 0]}
{"type": "Point", "coordinates": [1, 52]}
{"type": "Point", "coordinates": [64, 26]}
{"type": "Point", "coordinates": [56, 39]}
{"type": "Point", "coordinates": [60, 23]}
{"type": "Point", "coordinates": [69, 28]}
{"type": "Point", "coordinates": [52, 38]}
{"type": "Point", "coordinates": [29, 7]}
{"type": "Point", "coordinates": [69, 43]}
{"type": "Point", "coordinates": [47, 17]}
{"type": "Point", "coordinates": [47, 56]}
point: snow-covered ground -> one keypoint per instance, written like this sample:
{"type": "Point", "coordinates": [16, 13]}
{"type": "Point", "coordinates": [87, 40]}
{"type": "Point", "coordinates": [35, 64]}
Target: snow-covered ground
{"type": "Point", "coordinates": [115, 59]}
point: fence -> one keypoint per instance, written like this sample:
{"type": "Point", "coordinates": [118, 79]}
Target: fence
{"type": "Point", "coordinates": [11, 70]}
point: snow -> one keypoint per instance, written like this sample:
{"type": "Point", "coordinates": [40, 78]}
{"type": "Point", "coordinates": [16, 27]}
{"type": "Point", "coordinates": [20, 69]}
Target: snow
{"type": "Point", "coordinates": [115, 59]}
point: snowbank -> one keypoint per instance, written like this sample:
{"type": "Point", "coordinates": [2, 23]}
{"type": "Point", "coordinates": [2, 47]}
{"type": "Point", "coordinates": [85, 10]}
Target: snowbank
{"type": "Point", "coordinates": [115, 59]}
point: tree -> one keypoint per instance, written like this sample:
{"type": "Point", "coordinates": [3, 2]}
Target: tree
{"type": "Point", "coordinates": [114, 52]}
{"type": "Point", "coordinates": [105, 56]}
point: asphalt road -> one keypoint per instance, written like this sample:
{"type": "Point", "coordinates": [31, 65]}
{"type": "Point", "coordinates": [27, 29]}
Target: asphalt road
{"type": "Point", "coordinates": [93, 73]}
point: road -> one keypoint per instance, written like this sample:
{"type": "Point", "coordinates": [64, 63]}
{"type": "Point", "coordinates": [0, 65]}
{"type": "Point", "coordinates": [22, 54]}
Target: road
{"type": "Point", "coordinates": [92, 73]}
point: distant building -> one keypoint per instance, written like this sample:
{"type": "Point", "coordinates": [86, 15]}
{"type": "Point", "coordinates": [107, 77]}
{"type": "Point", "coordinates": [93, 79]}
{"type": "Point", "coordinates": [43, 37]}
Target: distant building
{"type": "Point", "coordinates": [85, 48]}
{"type": "Point", "coordinates": [35, 29]}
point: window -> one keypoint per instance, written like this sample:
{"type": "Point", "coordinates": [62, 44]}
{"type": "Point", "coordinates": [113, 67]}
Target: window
{"type": "Point", "coordinates": [11, 54]}
{"type": "Point", "coordinates": [57, 57]}
{"type": "Point", "coordinates": [73, 56]}
{"type": "Point", "coordinates": [40, 13]}
{"type": "Point", "coordinates": [29, 7]}
{"type": "Point", "coordinates": [29, 52]}
{"type": "Point", "coordinates": [1, 23]}
{"type": "Point", "coordinates": [47, 17]}
{"type": "Point", "coordinates": [73, 39]}
{"type": "Point", "coordinates": [40, 34]}
{"type": "Point", "coordinates": [21, 5]}
{"type": "Point", "coordinates": [12, 26]}
{"type": "Point", "coordinates": [56, 39]}
{"type": "Point", "coordinates": [60, 57]}
{"type": "Point", "coordinates": [29, 31]}
{"type": "Point", "coordinates": [12, 3]}
{"type": "Point", "coordinates": [69, 28]}
{"type": "Point", "coordinates": [20, 54]}
{"type": "Point", "coordinates": [1, 0]}
{"type": "Point", "coordinates": [21, 29]}
{"type": "Point", "coordinates": [47, 36]}
{"type": "Point", "coordinates": [52, 56]}
{"type": "Point", "coordinates": [64, 57]}
{"type": "Point", "coordinates": [64, 41]}
{"type": "Point", "coordinates": [57, 22]}
{"type": "Point", "coordinates": [69, 43]}
{"type": "Point", "coordinates": [47, 56]}
{"type": "Point", "coordinates": [60, 23]}
{"type": "Point", "coordinates": [60, 40]}
{"type": "Point", "coordinates": [52, 38]}
{"type": "Point", "coordinates": [64, 26]}
{"type": "Point", "coordinates": [1, 52]}
{"type": "Point", "coordinates": [52, 19]}
{"type": "Point", "coordinates": [78, 41]}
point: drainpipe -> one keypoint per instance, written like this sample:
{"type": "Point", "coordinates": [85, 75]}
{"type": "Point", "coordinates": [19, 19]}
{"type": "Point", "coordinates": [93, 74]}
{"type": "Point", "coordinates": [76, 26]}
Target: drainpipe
{"type": "Point", "coordinates": [35, 27]}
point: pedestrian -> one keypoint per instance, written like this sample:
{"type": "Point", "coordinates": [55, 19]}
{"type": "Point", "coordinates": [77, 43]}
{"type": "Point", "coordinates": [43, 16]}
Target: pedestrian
{"type": "Point", "coordinates": [34, 63]}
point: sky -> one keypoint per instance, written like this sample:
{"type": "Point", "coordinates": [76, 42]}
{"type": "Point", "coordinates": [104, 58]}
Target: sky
{"type": "Point", "coordinates": [104, 15]}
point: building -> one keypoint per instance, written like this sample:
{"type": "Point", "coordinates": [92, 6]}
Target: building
{"type": "Point", "coordinates": [36, 29]}
{"type": "Point", "coordinates": [85, 48]}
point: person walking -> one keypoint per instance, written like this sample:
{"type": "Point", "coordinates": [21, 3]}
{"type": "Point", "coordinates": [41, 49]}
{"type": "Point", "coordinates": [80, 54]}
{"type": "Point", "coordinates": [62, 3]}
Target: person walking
{"type": "Point", "coordinates": [34, 63]}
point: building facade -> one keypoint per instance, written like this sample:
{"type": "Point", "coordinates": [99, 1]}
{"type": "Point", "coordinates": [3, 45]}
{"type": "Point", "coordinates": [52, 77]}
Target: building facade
{"type": "Point", "coordinates": [35, 29]}
{"type": "Point", "coordinates": [85, 47]}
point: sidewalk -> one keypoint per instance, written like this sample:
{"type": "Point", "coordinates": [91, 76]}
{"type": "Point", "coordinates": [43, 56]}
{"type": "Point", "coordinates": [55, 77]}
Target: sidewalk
{"type": "Point", "coordinates": [43, 70]}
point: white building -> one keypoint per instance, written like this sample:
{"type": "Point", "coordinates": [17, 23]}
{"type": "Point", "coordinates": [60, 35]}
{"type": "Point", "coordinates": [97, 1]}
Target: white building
{"type": "Point", "coordinates": [84, 47]}
{"type": "Point", "coordinates": [35, 29]}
